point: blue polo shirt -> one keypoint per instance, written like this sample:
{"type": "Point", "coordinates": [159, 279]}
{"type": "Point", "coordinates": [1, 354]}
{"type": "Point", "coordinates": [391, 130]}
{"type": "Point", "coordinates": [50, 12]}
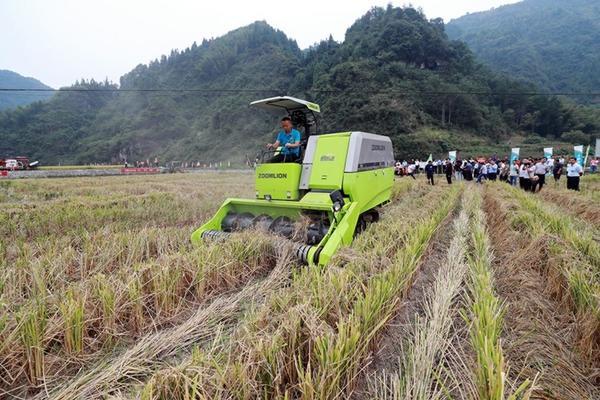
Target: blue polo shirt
{"type": "Point", "coordinates": [293, 137]}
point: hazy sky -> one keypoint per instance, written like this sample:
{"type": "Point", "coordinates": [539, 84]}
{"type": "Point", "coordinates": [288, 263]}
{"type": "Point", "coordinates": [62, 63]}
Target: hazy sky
{"type": "Point", "coordinates": [60, 41]}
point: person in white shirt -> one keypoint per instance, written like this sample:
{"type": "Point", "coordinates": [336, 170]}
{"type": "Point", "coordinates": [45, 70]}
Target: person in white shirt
{"type": "Point", "coordinates": [540, 168]}
{"type": "Point", "coordinates": [503, 171]}
{"type": "Point", "coordinates": [492, 170]}
{"type": "Point", "coordinates": [524, 179]}
{"type": "Point", "coordinates": [411, 170]}
{"type": "Point", "coordinates": [398, 168]}
{"type": "Point", "coordinates": [483, 170]}
{"type": "Point", "coordinates": [532, 176]}
{"type": "Point", "coordinates": [574, 172]}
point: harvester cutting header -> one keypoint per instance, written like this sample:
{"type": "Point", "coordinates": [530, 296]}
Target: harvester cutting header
{"type": "Point", "coordinates": [319, 196]}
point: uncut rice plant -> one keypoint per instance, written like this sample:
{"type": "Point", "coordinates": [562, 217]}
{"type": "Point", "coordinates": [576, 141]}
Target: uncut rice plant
{"type": "Point", "coordinates": [485, 315]}
{"type": "Point", "coordinates": [31, 330]}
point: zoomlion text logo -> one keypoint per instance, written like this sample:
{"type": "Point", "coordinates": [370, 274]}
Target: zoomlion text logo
{"type": "Point", "coordinates": [377, 147]}
{"type": "Point", "coordinates": [272, 176]}
{"type": "Point", "coordinates": [327, 157]}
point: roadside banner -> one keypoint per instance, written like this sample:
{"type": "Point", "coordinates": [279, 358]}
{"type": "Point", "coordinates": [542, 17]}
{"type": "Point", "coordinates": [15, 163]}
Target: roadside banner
{"type": "Point", "coordinates": [548, 152]}
{"type": "Point", "coordinates": [598, 147]}
{"type": "Point", "coordinates": [514, 155]}
{"type": "Point", "coordinates": [578, 154]}
{"type": "Point", "coordinates": [452, 155]}
{"type": "Point", "coordinates": [587, 153]}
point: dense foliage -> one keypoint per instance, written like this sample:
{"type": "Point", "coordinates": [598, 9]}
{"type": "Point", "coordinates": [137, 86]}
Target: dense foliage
{"type": "Point", "coordinates": [12, 80]}
{"type": "Point", "coordinates": [553, 43]}
{"type": "Point", "coordinates": [395, 73]}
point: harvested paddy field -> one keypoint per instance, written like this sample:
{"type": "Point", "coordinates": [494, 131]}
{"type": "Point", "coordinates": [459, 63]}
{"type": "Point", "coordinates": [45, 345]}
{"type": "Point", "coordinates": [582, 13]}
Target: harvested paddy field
{"type": "Point", "coordinates": [458, 292]}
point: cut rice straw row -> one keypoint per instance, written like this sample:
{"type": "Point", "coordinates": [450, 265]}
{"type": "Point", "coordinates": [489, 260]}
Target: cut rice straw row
{"type": "Point", "coordinates": [421, 365]}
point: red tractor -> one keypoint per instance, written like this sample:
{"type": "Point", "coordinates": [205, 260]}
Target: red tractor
{"type": "Point", "coordinates": [17, 163]}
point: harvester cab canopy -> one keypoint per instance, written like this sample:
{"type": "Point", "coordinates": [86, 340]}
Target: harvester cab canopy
{"type": "Point", "coordinates": [301, 112]}
{"type": "Point", "coordinates": [287, 103]}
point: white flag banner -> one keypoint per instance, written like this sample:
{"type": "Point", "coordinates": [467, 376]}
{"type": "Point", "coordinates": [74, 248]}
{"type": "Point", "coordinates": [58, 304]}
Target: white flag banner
{"type": "Point", "coordinates": [548, 152]}
{"type": "Point", "coordinates": [452, 155]}
{"type": "Point", "coordinates": [598, 147]}
{"type": "Point", "coordinates": [578, 154]}
{"type": "Point", "coordinates": [587, 153]}
{"type": "Point", "coordinates": [514, 155]}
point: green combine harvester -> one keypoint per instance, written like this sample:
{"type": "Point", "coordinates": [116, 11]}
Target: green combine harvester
{"type": "Point", "coordinates": [322, 199]}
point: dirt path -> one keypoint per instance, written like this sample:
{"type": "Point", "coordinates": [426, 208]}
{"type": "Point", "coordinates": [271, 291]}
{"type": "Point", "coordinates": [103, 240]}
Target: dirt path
{"type": "Point", "coordinates": [539, 335]}
{"type": "Point", "coordinates": [390, 346]}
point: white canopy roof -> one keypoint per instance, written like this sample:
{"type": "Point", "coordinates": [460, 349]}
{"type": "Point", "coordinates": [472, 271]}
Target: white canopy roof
{"type": "Point", "coordinates": [285, 102]}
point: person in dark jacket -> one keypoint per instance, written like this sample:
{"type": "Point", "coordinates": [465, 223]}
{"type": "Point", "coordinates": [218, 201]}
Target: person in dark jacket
{"type": "Point", "coordinates": [557, 170]}
{"type": "Point", "coordinates": [468, 172]}
{"type": "Point", "coordinates": [449, 172]}
{"type": "Point", "coordinates": [458, 170]}
{"type": "Point", "coordinates": [429, 170]}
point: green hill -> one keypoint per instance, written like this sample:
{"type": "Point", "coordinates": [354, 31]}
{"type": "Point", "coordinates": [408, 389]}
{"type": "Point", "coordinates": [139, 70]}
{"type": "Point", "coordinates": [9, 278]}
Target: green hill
{"type": "Point", "coordinates": [396, 73]}
{"type": "Point", "coordinates": [12, 80]}
{"type": "Point", "coordinates": [553, 43]}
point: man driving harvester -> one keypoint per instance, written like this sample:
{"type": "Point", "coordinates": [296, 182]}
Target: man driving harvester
{"type": "Point", "coordinates": [289, 140]}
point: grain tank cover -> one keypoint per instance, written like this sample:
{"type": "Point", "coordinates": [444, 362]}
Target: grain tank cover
{"type": "Point", "coordinates": [360, 151]}
{"type": "Point", "coordinates": [369, 151]}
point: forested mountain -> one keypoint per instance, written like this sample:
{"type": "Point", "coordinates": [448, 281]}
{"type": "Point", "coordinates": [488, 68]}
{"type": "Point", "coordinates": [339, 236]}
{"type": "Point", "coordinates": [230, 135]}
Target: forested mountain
{"type": "Point", "coordinates": [395, 73]}
{"type": "Point", "coordinates": [12, 80]}
{"type": "Point", "coordinates": [553, 43]}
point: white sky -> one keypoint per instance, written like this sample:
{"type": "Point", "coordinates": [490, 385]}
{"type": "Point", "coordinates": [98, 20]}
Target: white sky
{"type": "Point", "coordinates": [60, 41]}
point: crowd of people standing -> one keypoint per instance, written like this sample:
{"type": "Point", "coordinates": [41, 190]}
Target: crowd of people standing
{"type": "Point", "coordinates": [528, 174]}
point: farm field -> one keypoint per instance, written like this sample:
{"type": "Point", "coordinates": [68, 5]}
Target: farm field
{"type": "Point", "coordinates": [461, 291]}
